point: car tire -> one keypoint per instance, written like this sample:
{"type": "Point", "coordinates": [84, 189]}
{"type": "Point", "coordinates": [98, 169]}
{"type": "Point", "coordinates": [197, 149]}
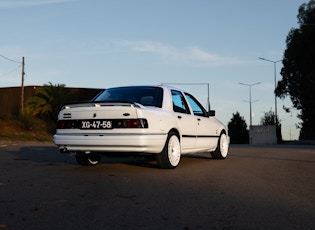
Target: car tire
{"type": "Point", "coordinates": [88, 159]}
{"type": "Point", "coordinates": [170, 156]}
{"type": "Point", "coordinates": [221, 151]}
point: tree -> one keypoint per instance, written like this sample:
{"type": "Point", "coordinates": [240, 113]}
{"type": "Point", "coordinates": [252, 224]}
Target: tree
{"type": "Point", "coordinates": [46, 101]}
{"type": "Point", "coordinates": [269, 119]}
{"type": "Point", "coordinates": [238, 130]}
{"type": "Point", "coordinates": [298, 72]}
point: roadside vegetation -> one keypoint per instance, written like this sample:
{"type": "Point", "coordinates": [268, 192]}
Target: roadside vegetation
{"type": "Point", "coordinates": [298, 74]}
{"type": "Point", "coordinates": [25, 129]}
{"type": "Point", "coordinates": [38, 121]}
{"type": "Point", "coordinates": [239, 131]}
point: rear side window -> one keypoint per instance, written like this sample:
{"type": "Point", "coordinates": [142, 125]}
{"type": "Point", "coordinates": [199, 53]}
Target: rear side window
{"type": "Point", "coordinates": [179, 102]}
{"type": "Point", "coordinates": [145, 95]}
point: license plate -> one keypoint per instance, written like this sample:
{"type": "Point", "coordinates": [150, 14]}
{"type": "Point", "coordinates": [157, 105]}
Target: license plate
{"type": "Point", "coordinates": [96, 124]}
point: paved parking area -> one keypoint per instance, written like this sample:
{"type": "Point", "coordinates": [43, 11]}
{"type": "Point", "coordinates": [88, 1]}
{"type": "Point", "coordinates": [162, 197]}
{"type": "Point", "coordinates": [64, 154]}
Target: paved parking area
{"type": "Point", "coordinates": [256, 187]}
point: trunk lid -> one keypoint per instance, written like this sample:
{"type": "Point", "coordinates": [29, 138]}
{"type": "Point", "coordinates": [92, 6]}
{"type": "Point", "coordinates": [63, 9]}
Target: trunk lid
{"type": "Point", "coordinates": [99, 110]}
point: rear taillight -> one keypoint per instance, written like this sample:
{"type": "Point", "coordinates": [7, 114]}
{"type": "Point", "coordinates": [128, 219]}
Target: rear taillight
{"type": "Point", "coordinates": [130, 123]}
{"type": "Point", "coordinates": [116, 123]}
{"type": "Point", "coordinates": [67, 124]}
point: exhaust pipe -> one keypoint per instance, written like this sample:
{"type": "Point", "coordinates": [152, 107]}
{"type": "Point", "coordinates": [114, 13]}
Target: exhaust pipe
{"type": "Point", "coordinates": [64, 149]}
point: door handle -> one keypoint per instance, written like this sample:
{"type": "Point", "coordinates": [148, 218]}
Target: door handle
{"type": "Point", "coordinates": [179, 117]}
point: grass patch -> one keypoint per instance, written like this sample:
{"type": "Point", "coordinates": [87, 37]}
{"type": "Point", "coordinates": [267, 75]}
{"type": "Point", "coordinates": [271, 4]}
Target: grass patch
{"type": "Point", "coordinates": [25, 129]}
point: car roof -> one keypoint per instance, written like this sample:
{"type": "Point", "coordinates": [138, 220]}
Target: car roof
{"type": "Point", "coordinates": [165, 86]}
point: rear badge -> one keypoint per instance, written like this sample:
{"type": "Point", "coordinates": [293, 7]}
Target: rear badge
{"type": "Point", "coordinates": [94, 114]}
{"type": "Point", "coordinates": [126, 114]}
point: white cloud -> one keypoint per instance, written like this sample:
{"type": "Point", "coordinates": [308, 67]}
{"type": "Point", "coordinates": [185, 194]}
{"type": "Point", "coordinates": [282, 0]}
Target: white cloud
{"type": "Point", "coordinates": [189, 55]}
{"type": "Point", "coordinates": [5, 4]}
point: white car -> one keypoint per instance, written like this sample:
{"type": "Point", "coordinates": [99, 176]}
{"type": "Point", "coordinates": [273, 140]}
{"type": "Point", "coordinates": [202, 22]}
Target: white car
{"type": "Point", "coordinates": [155, 120]}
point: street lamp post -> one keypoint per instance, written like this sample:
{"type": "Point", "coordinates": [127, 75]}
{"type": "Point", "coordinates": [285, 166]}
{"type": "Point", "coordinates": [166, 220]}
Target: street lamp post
{"type": "Point", "coordinates": [275, 73]}
{"type": "Point", "coordinates": [207, 84]}
{"type": "Point", "coordinates": [250, 100]}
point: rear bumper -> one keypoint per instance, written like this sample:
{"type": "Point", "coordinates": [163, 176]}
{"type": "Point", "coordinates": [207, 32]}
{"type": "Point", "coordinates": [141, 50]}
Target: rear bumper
{"type": "Point", "coordinates": [139, 143]}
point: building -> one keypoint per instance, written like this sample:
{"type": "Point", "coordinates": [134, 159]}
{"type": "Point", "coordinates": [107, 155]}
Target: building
{"type": "Point", "coordinates": [10, 97]}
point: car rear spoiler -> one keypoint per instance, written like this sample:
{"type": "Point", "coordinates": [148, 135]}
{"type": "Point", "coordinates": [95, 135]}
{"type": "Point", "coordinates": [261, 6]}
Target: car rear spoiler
{"type": "Point", "coordinates": [96, 103]}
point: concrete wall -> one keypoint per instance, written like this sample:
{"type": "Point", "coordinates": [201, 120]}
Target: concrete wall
{"type": "Point", "coordinates": [263, 135]}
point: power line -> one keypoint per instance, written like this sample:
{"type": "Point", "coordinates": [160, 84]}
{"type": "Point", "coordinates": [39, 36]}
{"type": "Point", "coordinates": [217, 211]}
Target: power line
{"type": "Point", "coordinates": [10, 59]}
{"type": "Point", "coordinates": [3, 75]}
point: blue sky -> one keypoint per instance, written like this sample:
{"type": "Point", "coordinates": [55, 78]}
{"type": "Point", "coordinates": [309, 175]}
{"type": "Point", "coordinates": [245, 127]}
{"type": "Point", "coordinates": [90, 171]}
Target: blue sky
{"type": "Point", "coordinates": [104, 43]}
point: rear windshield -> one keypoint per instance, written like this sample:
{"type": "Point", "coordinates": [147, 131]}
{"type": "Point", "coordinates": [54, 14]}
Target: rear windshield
{"type": "Point", "coordinates": [145, 95]}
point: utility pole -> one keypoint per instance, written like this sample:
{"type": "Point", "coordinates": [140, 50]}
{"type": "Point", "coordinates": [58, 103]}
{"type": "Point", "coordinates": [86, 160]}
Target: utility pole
{"type": "Point", "coordinates": [22, 87]}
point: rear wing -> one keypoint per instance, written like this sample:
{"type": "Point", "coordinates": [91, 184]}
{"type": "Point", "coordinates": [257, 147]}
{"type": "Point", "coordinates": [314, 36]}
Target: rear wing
{"type": "Point", "coordinates": [76, 104]}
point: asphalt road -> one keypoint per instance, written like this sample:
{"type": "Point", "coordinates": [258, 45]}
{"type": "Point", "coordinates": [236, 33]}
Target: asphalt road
{"type": "Point", "coordinates": [254, 188]}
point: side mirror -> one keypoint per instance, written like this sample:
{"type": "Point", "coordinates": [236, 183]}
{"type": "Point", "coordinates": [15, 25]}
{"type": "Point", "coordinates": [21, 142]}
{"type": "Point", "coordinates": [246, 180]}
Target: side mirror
{"type": "Point", "coordinates": [211, 113]}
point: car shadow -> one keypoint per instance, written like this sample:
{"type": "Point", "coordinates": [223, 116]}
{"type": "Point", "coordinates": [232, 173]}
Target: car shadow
{"type": "Point", "coordinates": [150, 162]}
{"type": "Point", "coordinates": [50, 155]}
{"type": "Point", "coordinates": [43, 154]}
{"type": "Point", "coordinates": [133, 160]}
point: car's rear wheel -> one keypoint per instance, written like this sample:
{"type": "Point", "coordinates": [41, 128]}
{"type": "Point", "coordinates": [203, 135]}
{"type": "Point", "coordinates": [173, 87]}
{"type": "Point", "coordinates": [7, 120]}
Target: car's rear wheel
{"type": "Point", "coordinates": [87, 159]}
{"type": "Point", "coordinates": [170, 156]}
{"type": "Point", "coordinates": [222, 149]}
